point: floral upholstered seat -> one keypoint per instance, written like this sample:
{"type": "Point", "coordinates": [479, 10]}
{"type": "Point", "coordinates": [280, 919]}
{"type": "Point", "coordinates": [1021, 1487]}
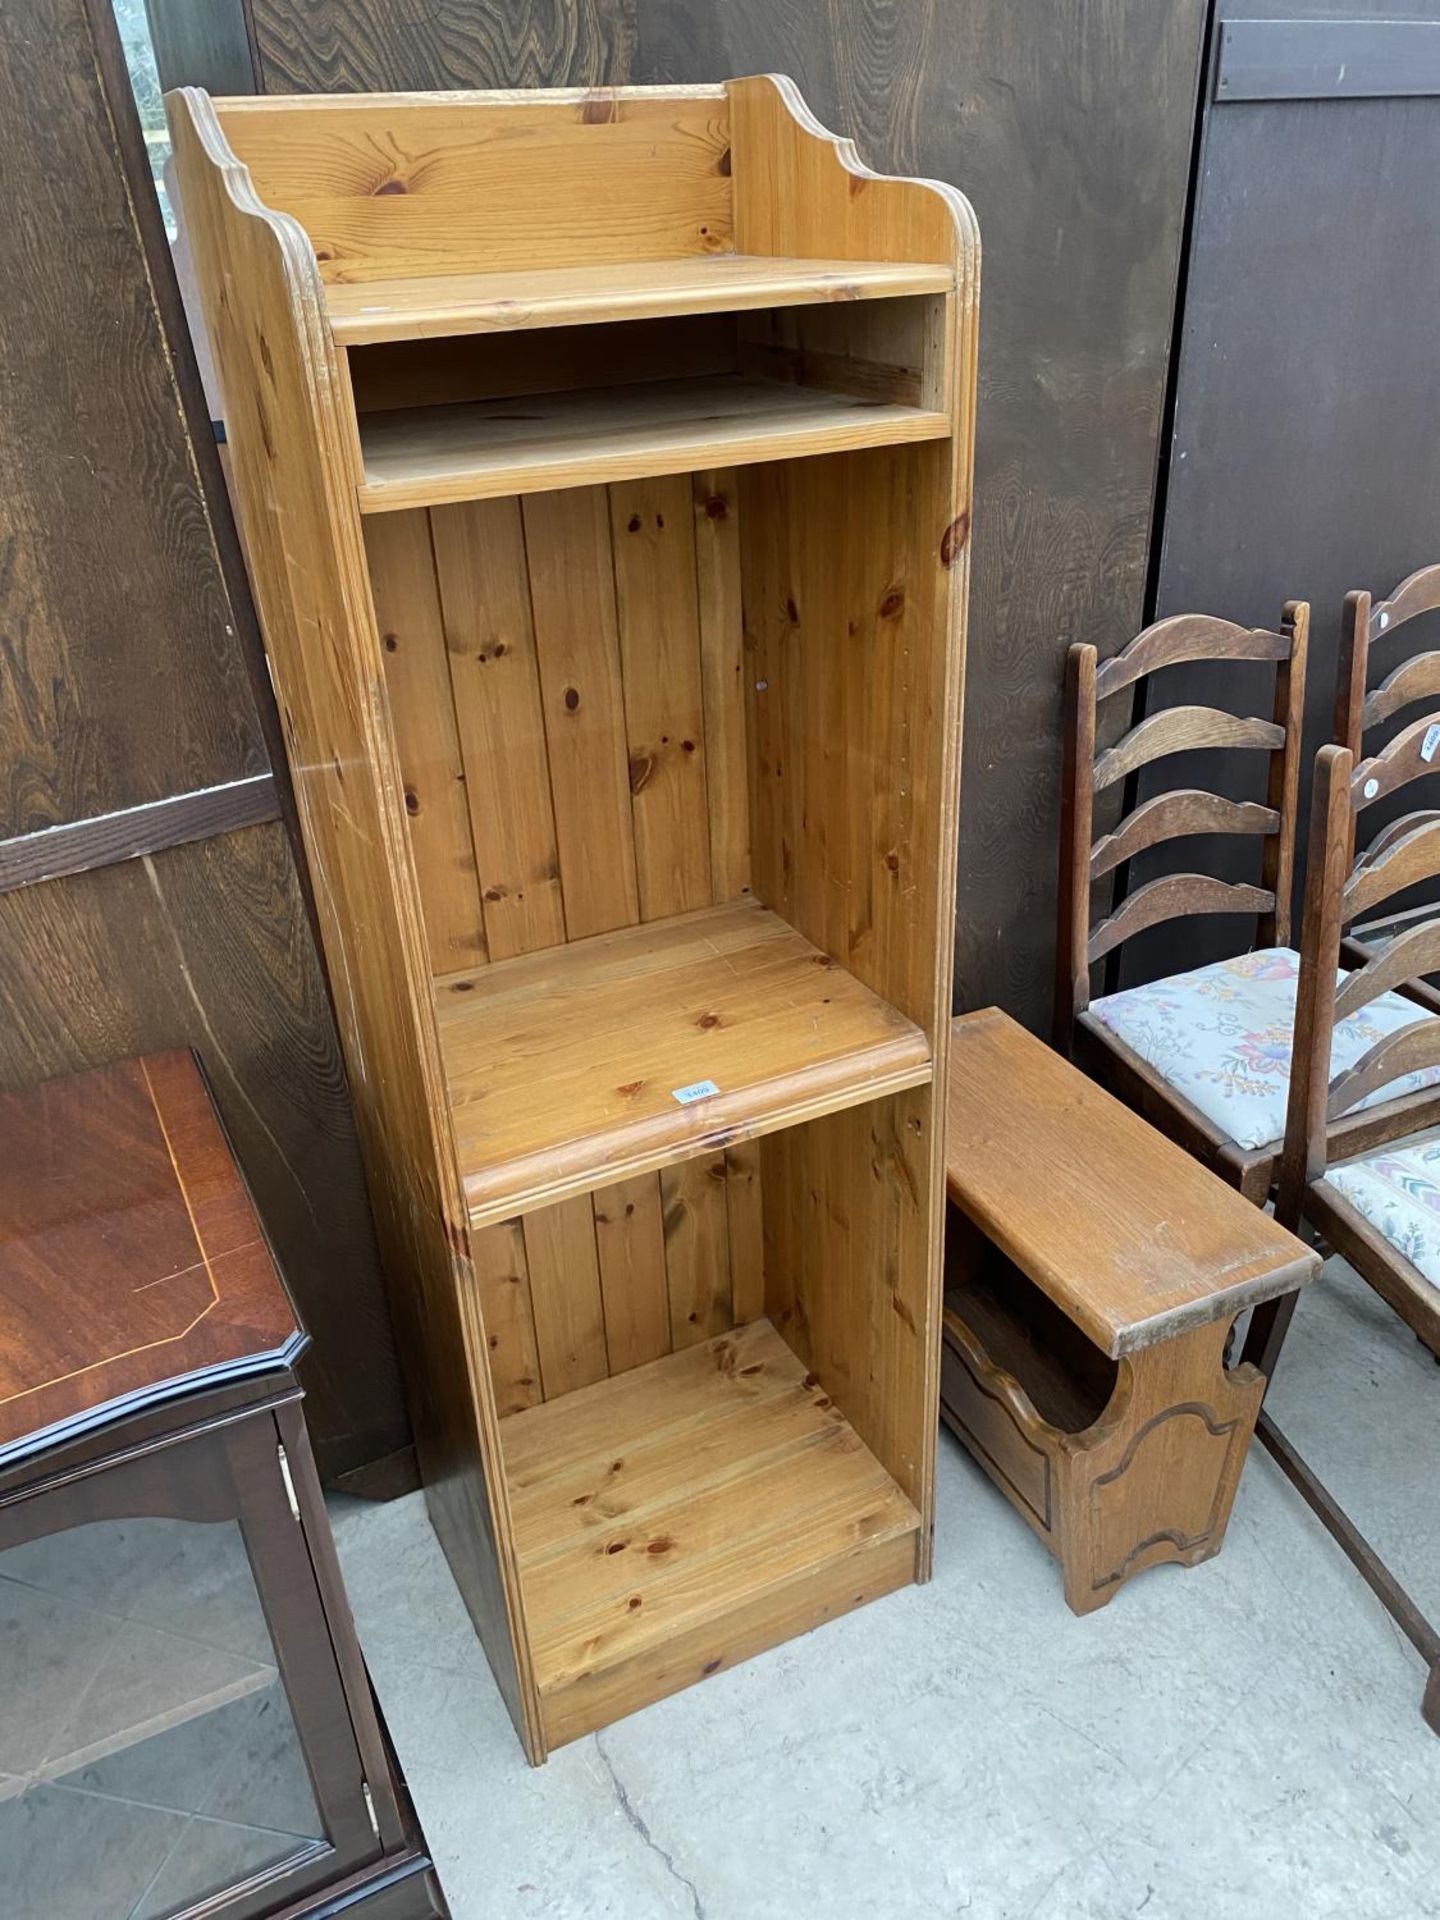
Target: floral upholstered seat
{"type": "Point", "coordinates": [1397, 1189]}
{"type": "Point", "coordinates": [1222, 1035]}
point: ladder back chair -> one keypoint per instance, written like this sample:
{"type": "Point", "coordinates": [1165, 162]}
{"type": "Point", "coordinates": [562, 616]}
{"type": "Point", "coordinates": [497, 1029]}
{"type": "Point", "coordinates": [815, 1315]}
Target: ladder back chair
{"type": "Point", "coordinates": [1365, 625]}
{"type": "Point", "coordinates": [1202, 1055]}
{"type": "Point", "coordinates": [1361, 1162]}
{"type": "Point", "coordinates": [1373, 1194]}
{"type": "Point", "coordinates": [1366, 630]}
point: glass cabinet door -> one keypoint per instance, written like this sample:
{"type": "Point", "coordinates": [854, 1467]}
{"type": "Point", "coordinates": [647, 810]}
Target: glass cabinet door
{"type": "Point", "coordinates": [150, 1758]}
{"type": "Point", "coordinates": [148, 1754]}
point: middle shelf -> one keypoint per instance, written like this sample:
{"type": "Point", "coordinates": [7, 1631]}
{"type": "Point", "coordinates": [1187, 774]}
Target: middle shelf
{"type": "Point", "coordinates": [564, 1066]}
{"type": "Point", "coordinates": [534, 443]}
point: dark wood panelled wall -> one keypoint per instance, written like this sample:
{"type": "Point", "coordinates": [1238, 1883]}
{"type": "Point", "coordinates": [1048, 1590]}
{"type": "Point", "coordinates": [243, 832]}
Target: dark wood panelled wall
{"type": "Point", "coordinates": [127, 661]}
{"type": "Point", "coordinates": [1304, 458]}
{"type": "Point", "coordinates": [148, 893]}
{"type": "Point", "coordinates": [1070, 129]}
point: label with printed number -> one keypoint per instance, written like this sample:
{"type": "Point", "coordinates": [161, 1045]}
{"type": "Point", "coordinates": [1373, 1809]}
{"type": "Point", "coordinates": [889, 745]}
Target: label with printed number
{"type": "Point", "coordinates": [697, 1090]}
{"type": "Point", "coordinates": [1430, 743]}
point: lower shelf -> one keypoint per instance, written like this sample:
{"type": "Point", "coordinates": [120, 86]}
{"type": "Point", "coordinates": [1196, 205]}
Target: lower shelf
{"type": "Point", "coordinates": [677, 1519]}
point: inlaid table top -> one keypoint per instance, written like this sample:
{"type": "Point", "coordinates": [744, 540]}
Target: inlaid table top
{"type": "Point", "coordinates": [133, 1265]}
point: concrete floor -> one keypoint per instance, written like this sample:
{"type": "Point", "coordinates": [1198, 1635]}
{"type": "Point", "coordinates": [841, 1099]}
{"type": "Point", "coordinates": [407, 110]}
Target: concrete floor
{"type": "Point", "coordinates": [1239, 1742]}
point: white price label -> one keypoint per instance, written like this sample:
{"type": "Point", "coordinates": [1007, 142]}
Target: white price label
{"type": "Point", "coordinates": [697, 1090]}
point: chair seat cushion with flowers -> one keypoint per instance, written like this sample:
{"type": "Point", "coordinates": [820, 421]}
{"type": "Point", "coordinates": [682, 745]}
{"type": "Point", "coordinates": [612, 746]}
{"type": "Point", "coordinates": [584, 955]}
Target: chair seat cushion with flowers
{"type": "Point", "coordinates": [1222, 1036]}
{"type": "Point", "coordinates": [1397, 1189]}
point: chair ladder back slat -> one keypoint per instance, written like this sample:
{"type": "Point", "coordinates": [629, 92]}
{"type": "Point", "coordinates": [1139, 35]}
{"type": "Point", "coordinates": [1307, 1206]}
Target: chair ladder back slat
{"type": "Point", "coordinates": [1404, 862]}
{"type": "Point", "coordinates": [1172, 816]}
{"type": "Point", "coordinates": [1417, 593]}
{"type": "Point", "coordinates": [1175, 896]}
{"type": "Point", "coordinates": [1408, 956]}
{"type": "Point", "coordinates": [1413, 1048]}
{"type": "Point", "coordinates": [1414, 752]}
{"type": "Point", "coordinates": [1417, 678]}
{"type": "Point", "coordinates": [1179, 730]}
{"type": "Point", "coordinates": [1187, 637]}
{"type": "Point", "coordinates": [1396, 830]}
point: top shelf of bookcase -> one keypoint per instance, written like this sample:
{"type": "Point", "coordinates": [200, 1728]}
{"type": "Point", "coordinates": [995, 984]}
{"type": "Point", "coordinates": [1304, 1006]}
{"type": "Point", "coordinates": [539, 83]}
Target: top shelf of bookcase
{"type": "Point", "coordinates": [444, 305]}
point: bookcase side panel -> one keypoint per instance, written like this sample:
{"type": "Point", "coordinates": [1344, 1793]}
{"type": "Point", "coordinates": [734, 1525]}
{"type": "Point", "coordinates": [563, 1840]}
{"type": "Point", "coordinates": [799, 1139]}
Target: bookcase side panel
{"type": "Point", "coordinates": [849, 1273]}
{"type": "Point", "coordinates": [303, 544]}
{"type": "Point", "coordinates": [854, 580]}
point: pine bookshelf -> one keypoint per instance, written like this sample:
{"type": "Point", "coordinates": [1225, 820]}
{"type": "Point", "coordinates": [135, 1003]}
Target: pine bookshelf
{"type": "Point", "coordinates": [603, 463]}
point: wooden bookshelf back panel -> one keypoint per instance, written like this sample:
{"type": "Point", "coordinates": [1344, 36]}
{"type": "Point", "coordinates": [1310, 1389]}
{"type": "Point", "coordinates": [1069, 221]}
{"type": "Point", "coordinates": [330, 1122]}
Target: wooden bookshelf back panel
{"type": "Point", "coordinates": [565, 683]}
{"type": "Point", "coordinates": [611, 1280]}
{"type": "Point", "coordinates": [566, 694]}
{"type": "Point", "coordinates": [388, 186]}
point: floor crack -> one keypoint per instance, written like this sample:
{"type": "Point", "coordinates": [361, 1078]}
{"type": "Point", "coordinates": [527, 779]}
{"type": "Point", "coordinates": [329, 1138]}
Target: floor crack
{"type": "Point", "coordinates": [638, 1822]}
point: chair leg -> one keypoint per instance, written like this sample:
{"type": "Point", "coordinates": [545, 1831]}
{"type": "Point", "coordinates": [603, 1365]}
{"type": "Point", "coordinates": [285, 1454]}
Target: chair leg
{"type": "Point", "coordinates": [1269, 1325]}
{"type": "Point", "coordinates": [1421, 1634]}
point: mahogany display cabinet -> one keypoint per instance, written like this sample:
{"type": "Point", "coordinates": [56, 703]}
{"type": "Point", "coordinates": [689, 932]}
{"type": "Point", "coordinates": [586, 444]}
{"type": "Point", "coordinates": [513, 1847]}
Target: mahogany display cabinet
{"type": "Point", "coordinates": [187, 1730]}
{"type": "Point", "coordinates": [603, 463]}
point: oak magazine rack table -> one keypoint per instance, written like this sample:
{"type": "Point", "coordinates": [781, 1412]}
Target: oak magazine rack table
{"type": "Point", "coordinates": [603, 463]}
{"type": "Point", "coordinates": [1094, 1273]}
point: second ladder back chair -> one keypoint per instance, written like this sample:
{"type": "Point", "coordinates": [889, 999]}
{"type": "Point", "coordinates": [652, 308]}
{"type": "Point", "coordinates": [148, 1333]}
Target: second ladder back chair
{"type": "Point", "coordinates": [1203, 1055]}
{"type": "Point", "coordinates": [1367, 630]}
{"type": "Point", "coordinates": [1362, 1144]}
{"type": "Point", "coordinates": [1368, 625]}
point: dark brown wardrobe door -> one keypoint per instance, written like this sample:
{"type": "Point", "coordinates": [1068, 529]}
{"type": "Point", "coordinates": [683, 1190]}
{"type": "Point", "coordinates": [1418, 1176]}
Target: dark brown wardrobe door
{"type": "Point", "coordinates": [1304, 460]}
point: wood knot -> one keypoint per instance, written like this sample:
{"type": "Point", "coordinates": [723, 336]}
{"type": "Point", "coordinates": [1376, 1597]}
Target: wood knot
{"type": "Point", "coordinates": [717, 507]}
{"type": "Point", "coordinates": [572, 699]}
{"type": "Point", "coordinates": [391, 642]}
{"type": "Point", "coordinates": [642, 765]}
{"type": "Point", "coordinates": [792, 612]}
{"type": "Point", "coordinates": [463, 986]}
{"type": "Point", "coordinates": [954, 538]}
{"type": "Point", "coordinates": [893, 603]}
{"type": "Point", "coordinates": [663, 1545]}
{"type": "Point", "coordinates": [713, 1666]}
{"type": "Point", "coordinates": [629, 1090]}
{"type": "Point", "coordinates": [617, 1546]}
{"type": "Point", "coordinates": [599, 110]}
{"type": "Point", "coordinates": [892, 861]}
{"type": "Point", "coordinates": [391, 186]}
{"type": "Point", "coordinates": [634, 523]}
{"type": "Point", "coordinates": [412, 801]}
{"type": "Point", "coordinates": [724, 166]}
{"type": "Point", "coordinates": [708, 1020]}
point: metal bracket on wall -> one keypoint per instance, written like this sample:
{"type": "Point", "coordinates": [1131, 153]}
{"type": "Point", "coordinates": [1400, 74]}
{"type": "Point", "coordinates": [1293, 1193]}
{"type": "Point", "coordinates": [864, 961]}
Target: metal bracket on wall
{"type": "Point", "coordinates": [1327, 59]}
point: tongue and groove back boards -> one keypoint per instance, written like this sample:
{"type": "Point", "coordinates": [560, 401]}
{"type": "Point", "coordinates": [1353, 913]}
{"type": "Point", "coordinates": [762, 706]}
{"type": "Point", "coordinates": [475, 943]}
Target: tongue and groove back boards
{"type": "Point", "coordinates": [565, 683]}
{"type": "Point", "coordinates": [548, 738]}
